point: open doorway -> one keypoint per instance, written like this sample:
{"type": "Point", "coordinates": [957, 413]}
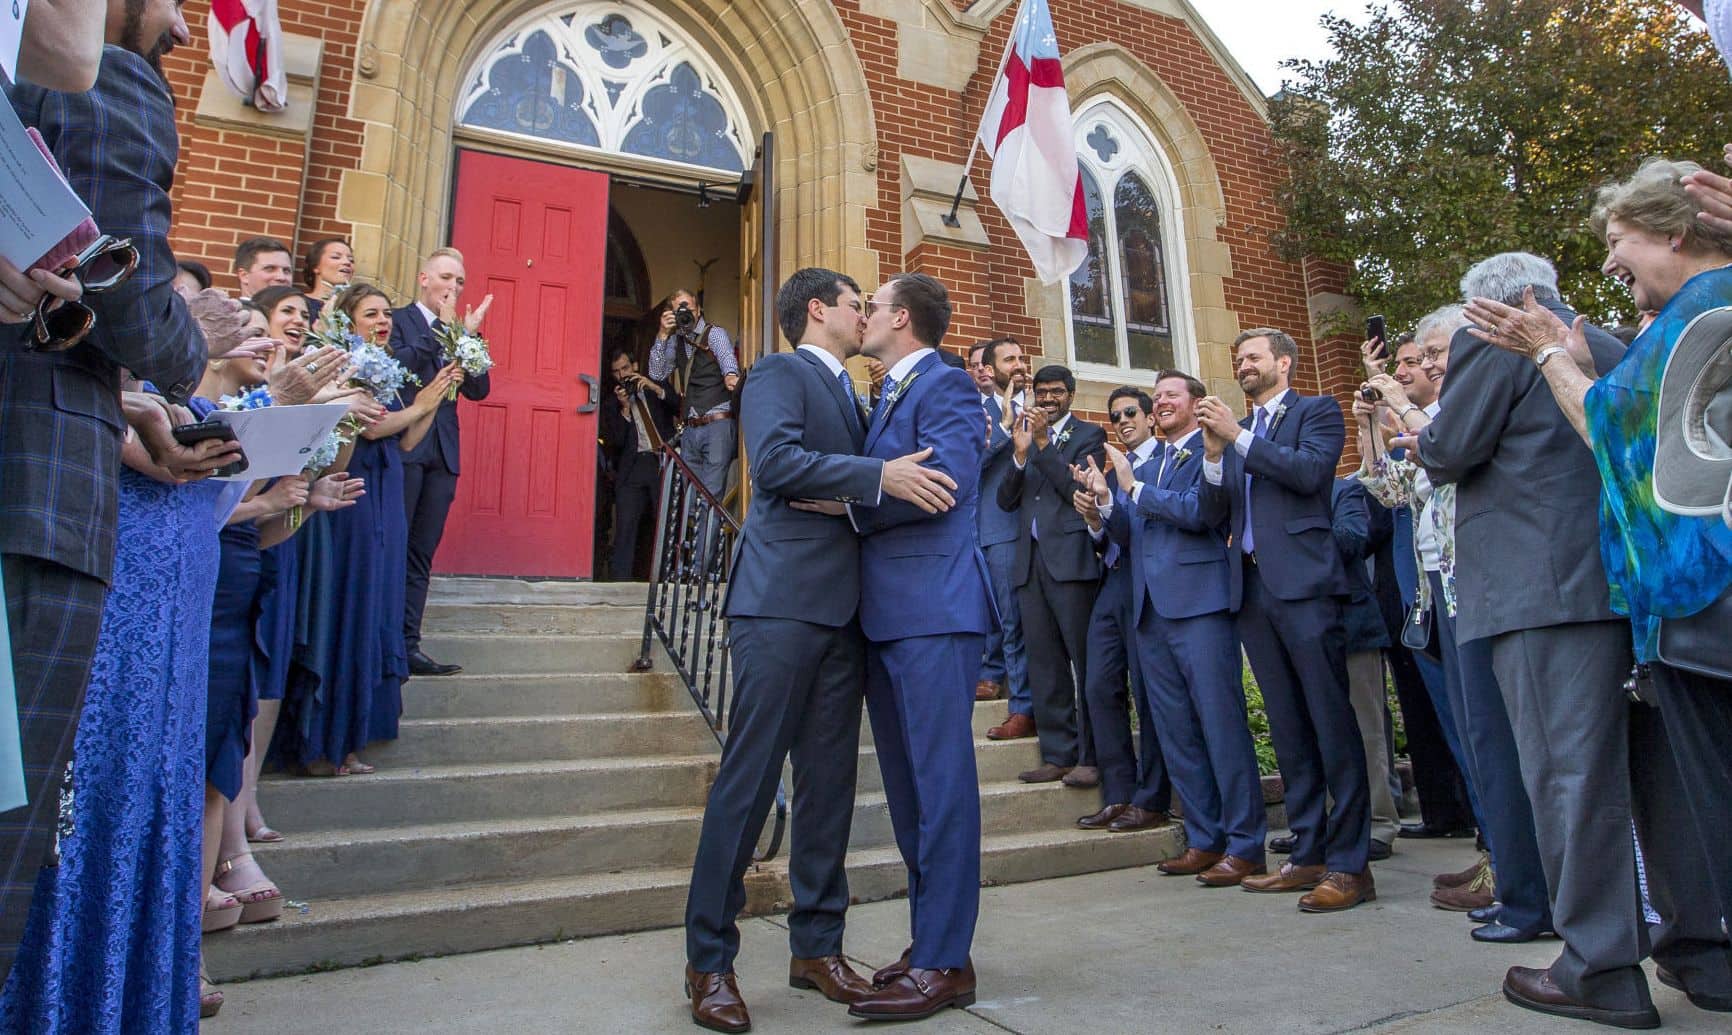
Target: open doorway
{"type": "Point", "coordinates": [658, 241]}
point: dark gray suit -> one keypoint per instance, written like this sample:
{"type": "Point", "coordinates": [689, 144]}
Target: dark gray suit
{"type": "Point", "coordinates": [1529, 578]}
{"type": "Point", "coordinates": [799, 662]}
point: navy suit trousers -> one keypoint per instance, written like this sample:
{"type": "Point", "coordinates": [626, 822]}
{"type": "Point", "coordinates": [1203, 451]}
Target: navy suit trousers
{"type": "Point", "coordinates": [920, 700]}
{"type": "Point", "coordinates": [797, 691]}
{"type": "Point", "coordinates": [1136, 776]}
{"type": "Point", "coordinates": [428, 489]}
{"type": "Point", "coordinates": [1298, 652]}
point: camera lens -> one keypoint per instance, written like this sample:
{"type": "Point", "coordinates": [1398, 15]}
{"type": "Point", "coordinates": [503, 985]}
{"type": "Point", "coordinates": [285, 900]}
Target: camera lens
{"type": "Point", "coordinates": [1370, 394]}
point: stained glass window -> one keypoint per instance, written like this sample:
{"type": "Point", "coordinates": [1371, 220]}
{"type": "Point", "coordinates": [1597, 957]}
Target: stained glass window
{"type": "Point", "coordinates": [612, 76]}
{"type": "Point", "coordinates": [1122, 298]}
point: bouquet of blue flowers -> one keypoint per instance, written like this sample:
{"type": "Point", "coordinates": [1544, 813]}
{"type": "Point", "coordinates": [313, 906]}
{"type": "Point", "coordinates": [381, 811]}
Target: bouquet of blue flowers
{"type": "Point", "coordinates": [458, 344]}
{"type": "Point", "coordinates": [255, 398]}
{"type": "Point", "coordinates": [376, 369]}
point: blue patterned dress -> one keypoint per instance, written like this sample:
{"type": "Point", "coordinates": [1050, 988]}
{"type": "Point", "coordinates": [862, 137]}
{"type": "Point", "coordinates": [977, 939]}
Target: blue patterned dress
{"type": "Point", "coordinates": [113, 937]}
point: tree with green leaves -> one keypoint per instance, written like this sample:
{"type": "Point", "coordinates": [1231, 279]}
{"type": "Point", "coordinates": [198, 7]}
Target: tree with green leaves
{"type": "Point", "coordinates": [1444, 131]}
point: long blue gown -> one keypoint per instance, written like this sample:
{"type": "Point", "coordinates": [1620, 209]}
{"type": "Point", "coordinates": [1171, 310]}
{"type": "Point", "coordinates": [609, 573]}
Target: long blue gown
{"type": "Point", "coordinates": [113, 938]}
{"type": "Point", "coordinates": [238, 664]}
{"type": "Point", "coordinates": [346, 682]}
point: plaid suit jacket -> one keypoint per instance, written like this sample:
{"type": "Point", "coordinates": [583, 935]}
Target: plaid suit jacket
{"type": "Point", "coordinates": [60, 416]}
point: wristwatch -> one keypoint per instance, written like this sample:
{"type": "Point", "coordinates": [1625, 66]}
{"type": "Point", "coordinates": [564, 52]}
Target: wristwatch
{"type": "Point", "coordinates": [1546, 353]}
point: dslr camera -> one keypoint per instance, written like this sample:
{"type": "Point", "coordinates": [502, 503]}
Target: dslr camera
{"type": "Point", "coordinates": [684, 318]}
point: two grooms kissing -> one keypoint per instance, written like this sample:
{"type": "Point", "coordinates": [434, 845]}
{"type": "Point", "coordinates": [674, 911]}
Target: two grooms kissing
{"type": "Point", "coordinates": [857, 577]}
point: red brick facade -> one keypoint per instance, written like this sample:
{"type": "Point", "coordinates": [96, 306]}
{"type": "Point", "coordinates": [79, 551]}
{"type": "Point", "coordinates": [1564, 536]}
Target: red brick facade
{"type": "Point", "coordinates": [235, 184]}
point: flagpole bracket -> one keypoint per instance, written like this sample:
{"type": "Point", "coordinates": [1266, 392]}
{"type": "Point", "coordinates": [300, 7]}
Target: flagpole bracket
{"type": "Point", "coordinates": [949, 218]}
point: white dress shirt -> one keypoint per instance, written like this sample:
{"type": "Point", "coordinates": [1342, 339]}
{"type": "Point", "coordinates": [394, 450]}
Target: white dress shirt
{"type": "Point", "coordinates": [1139, 456]}
{"type": "Point", "coordinates": [1242, 442]}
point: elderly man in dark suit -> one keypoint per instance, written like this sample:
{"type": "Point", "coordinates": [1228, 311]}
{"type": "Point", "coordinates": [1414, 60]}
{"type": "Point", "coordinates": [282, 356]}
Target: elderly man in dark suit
{"type": "Point", "coordinates": [799, 658]}
{"type": "Point", "coordinates": [1276, 470]}
{"type": "Point", "coordinates": [1531, 589]}
{"type": "Point", "coordinates": [1057, 572]}
{"type": "Point", "coordinates": [61, 421]}
{"type": "Point", "coordinates": [430, 470]}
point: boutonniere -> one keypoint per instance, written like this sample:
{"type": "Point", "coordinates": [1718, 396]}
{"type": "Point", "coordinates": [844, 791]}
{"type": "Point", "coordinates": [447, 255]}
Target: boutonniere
{"type": "Point", "coordinates": [899, 389]}
{"type": "Point", "coordinates": [1280, 411]}
{"type": "Point", "coordinates": [1064, 436]}
{"type": "Point", "coordinates": [1180, 455]}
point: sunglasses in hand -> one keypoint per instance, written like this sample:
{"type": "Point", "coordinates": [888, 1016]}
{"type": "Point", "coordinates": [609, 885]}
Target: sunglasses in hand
{"type": "Point", "coordinates": [102, 265]}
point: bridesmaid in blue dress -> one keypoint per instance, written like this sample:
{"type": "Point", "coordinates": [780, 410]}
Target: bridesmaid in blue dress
{"type": "Point", "coordinates": [346, 686]}
{"type": "Point", "coordinates": [113, 937]}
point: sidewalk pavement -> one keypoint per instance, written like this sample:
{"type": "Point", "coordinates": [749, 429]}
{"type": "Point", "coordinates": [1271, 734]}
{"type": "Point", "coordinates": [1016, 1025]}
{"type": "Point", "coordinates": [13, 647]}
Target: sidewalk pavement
{"type": "Point", "coordinates": [1123, 951]}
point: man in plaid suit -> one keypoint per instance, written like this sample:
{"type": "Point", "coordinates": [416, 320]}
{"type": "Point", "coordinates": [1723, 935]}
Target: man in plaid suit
{"type": "Point", "coordinates": [61, 423]}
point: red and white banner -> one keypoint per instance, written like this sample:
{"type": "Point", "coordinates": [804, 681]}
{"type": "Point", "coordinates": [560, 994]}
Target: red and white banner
{"type": "Point", "coordinates": [1027, 131]}
{"type": "Point", "coordinates": [246, 46]}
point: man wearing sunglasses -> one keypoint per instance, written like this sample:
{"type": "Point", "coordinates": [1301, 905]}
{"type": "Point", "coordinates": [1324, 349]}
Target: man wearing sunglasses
{"type": "Point", "coordinates": [61, 421]}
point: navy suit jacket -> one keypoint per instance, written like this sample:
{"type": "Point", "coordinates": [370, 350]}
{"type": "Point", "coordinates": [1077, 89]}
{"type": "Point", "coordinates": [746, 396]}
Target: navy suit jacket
{"type": "Point", "coordinates": [997, 525]}
{"type": "Point", "coordinates": [60, 416]}
{"type": "Point", "coordinates": [1178, 539]}
{"type": "Point", "coordinates": [923, 574]}
{"type": "Point", "coordinates": [1041, 491]}
{"type": "Point", "coordinates": [801, 443]}
{"type": "Point", "coordinates": [1358, 535]}
{"type": "Point", "coordinates": [414, 345]}
{"type": "Point", "coordinates": [1292, 470]}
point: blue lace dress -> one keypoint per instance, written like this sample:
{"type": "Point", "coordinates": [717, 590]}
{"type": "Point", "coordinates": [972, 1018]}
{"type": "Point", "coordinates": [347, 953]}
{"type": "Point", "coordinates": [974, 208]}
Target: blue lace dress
{"type": "Point", "coordinates": [346, 684]}
{"type": "Point", "coordinates": [113, 938]}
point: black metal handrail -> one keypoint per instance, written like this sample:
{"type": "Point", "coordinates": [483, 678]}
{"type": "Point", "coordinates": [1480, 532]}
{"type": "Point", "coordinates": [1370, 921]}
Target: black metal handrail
{"type": "Point", "coordinates": [695, 537]}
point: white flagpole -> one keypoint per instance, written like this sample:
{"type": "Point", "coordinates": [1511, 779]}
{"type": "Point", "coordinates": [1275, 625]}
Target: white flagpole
{"type": "Point", "coordinates": [950, 219]}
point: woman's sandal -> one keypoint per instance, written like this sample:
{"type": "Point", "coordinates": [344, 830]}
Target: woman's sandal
{"type": "Point", "coordinates": [260, 904]}
{"type": "Point", "coordinates": [263, 835]}
{"type": "Point", "coordinates": [323, 769]}
{"type": "Point", "coordinates": [221, 910]}
{"type": "Point", "coordinates": [210, 998]}
{"type": "Point", "coordinates": [359, 768]}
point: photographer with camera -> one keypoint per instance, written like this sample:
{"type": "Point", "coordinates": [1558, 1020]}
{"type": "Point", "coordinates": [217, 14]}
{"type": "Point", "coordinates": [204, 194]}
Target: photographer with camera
{"type": "Point", "coordinates": [696, 359]}
{"type": "Point", "coordinates": [632, 432]}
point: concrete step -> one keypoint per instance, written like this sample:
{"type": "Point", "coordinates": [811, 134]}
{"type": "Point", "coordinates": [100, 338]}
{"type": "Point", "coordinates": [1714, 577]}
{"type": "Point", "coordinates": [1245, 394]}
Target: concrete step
{"type": "Point", "coordinates": [466, 696]}
{"type": "Point", "coordinates": [420, 795]}
{"type": "Point", "coordinates": [529, 738]}
{"type": "Point", "coordinates": [374, 860]}
{"type": "Point", "coordinates": [534, 619]}
{"type": "Point", "coordinates": [454, 590]}
{"type": "Point", "coordinates": [498, 655]}
{"type": "Point", "coordinates": [353, 931]}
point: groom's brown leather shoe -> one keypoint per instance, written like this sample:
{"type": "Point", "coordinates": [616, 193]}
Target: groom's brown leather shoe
{"type": "Point", "coordinates": [830, 975]}
{"type": "Point", "coordinates": [884, 975]}
{"type": "Point", "coordinates": [716, 1002]}
{"type": "Point", "coordinates": [915, 993]}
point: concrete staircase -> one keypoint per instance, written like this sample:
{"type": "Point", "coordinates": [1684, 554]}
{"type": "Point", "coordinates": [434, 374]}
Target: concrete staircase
{"type": "Point", "coordinates": [545, 793]}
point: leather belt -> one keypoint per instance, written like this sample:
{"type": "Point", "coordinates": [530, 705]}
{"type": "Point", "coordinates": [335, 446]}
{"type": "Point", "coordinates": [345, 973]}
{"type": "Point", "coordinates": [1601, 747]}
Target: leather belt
{"type": "Point", "coordinates": [708, 418]}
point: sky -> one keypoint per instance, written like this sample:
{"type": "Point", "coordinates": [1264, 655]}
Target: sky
{"type": "Point", "coordinates": [1263, 33]}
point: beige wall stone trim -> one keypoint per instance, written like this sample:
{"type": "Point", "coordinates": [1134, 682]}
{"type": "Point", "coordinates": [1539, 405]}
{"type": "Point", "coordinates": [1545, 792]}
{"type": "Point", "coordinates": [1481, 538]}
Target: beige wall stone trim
{"type": "Point", "coordinates": [928, 187]}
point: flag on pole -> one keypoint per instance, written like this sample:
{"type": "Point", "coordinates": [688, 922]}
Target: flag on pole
{"type": "Point", "coordinates": [1027, 131]}
{"type": "Point", "coordinates": [246, 46]}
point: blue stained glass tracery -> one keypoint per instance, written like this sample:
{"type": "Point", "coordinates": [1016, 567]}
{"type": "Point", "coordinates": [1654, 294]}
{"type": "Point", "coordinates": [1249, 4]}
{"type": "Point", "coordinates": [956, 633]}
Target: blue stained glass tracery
{"type": "Point", "coordinates": [683, 122]}
{"type": "Point", "coordinates": [616, 41]}
{"type": "Point", "coordinates": [533, 92]}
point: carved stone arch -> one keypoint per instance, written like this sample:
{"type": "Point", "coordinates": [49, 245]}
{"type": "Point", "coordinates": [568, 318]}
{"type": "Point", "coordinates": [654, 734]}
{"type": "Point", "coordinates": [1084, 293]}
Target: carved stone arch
{"type": "Point", "coordinates": [790, 62]}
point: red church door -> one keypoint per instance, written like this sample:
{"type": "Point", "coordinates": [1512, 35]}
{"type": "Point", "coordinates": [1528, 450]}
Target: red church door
{"type": "Point", "coordinates": [533, 235]}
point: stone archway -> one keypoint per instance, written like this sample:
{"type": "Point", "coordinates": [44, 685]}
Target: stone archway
{"type": "Point", "coordinates": [791, 63]}
{"type": "Point", "coordinates": [1107, 69]}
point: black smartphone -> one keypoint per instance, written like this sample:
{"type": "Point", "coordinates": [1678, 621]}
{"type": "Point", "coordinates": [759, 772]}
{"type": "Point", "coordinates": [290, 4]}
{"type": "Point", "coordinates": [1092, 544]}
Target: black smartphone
{"type": "Point", "coordinates": [191, 434]}
{"type": "Point", "coordinates": [1374, 331]}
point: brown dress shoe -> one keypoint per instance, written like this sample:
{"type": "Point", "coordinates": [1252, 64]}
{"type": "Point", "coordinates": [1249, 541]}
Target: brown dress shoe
{"type": "Point", "coordinates": [1229, 872]}
{"type": "Point", "coordinates": [1456, 880]}
{"type": "Point", "coordinates": [916, 993]}
{"type": "Point", "coordinates": [1194, 861]}
{"type": "Point", "coordinates": [1462, 900]}
{"type": "Point", "coordinates": [716, 1002]}
{"type": "Point", "coordinates": [1288, 878]}
{"type": "Point", "coordinates": [1338, 891]}
{"type": "Point", "coordinates": [1015, 727]}
{"type": "Point", "coordinates": [1103, 819]}
{"type": "Point", "coordinates": [1533, 989]}
{"type": "Point", "coordinates": [1083, 776]}
{"type": "Point", "coordinates": [987, 690]}
{"type": "Point", "coordinates": [1046, 772]}
{"type": "Point", "coordinates": [884, 975]}
{"type": "Point", "coordinates": [1136, 817]}
{"type": "Point", "coordinates": [830, 975]}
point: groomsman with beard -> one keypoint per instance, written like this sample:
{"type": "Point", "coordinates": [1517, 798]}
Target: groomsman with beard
{"type": "Point", "coordinates": [793, 607]}
{"type": "Point", "coordinates": [925, 607]}
{"type": "Point", "coordinates": [1185, 597]}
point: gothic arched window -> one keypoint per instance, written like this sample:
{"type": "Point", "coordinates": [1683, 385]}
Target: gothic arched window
{"type": "Point", "coordinates": [1126, 301]}
{"type": "Point", "coordinates": [611, 76]}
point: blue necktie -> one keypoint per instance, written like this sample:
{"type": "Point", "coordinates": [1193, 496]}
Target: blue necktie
{"type": "Point", "coordinates": [848, 393]}
{"type": "Point", "coordinates": [1249, 542]}
{"type": "Point", "coordinates": [885, 392]}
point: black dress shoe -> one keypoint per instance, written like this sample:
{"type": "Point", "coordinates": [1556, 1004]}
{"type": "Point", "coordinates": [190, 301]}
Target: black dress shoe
{"type": "Point", "coordinates": [1282, 844]}
{"type": "Point", "coordinates": [1485, 914]}
{"type": "Point", "coordinates": [1700, 1000]}
{"type": "Point", "coordinates": [1380, 850]}
{"type": "Point", "coordinates": [1425, 830]}
{"type": "Point", "coordinates": [1500, 934]}
{"type": "Point", "coordinates": [422, 665]}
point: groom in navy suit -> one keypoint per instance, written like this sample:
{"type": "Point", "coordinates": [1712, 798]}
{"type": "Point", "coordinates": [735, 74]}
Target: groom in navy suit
{"type": "Point", "coordinates": [792, 607]}
{"type": "Point", "coordinates": [925, 607]}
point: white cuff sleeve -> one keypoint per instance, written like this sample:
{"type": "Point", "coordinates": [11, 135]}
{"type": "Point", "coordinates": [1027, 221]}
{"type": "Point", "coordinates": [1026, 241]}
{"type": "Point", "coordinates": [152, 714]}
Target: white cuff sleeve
{"type": "Point", "coordinates": [1212, 471]}
{"type": "Point", "coordinates": [1243, 442]}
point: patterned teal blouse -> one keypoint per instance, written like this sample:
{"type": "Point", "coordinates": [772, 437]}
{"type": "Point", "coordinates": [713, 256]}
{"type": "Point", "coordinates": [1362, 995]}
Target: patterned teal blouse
{"type": "Point", "coordinates": [1660, 564]}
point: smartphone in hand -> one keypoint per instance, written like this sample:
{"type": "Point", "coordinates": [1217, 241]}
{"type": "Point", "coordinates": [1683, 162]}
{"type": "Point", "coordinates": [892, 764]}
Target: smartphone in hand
{"type": "Point", "coordinates": [1374, 331]}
